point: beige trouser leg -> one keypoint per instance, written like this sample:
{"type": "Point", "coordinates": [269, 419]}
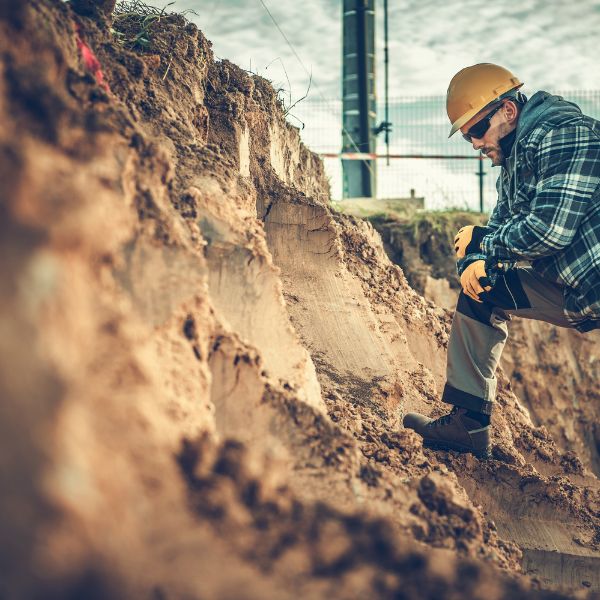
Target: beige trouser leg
{"type": "Point", "coordinates": [479, 333]}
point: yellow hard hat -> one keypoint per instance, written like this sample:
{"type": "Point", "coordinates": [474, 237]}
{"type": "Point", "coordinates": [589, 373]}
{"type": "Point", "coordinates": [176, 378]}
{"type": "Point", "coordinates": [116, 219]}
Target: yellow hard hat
{"type": "Point", "coordinates": [473, 88]}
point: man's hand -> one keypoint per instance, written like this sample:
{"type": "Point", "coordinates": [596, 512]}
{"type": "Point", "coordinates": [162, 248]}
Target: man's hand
{"type": "Point", "coordinates": [469, 280]}
{"type": "Point", "coordinates": [462, 240]}
{"type": "Point", "coordinates": [468, 240]}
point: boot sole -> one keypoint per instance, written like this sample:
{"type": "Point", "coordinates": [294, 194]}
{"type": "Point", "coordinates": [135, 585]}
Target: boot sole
{"type": "Point", "coordinates": [435, 445]}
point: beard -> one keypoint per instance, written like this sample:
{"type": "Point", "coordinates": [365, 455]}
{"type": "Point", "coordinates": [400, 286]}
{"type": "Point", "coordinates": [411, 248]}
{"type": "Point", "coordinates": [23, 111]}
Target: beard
{"type": "Point", "coordinates": [495, 154]}
{"type": "Point", "coordinates": [495, 151]}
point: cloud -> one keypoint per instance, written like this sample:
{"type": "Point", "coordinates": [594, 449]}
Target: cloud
{"type": "Point", "coordinates": [550, 44]}
{"type": "Point", "coordinates": [243, 32]}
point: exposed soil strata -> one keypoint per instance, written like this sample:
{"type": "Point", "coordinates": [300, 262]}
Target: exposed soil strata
{"type": "Point", "coordinates": [204, 368]}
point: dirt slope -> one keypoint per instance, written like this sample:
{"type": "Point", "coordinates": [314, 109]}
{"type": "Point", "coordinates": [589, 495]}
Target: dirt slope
{"type": "Point", "coordinates": [204, 369]}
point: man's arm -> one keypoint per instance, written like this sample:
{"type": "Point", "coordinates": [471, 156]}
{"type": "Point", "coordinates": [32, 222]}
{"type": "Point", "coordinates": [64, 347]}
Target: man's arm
{"type": "Point", "coordinates": [567, 168]}
{"type": "Point", "coordinates": [468, 239]}
{"type": "Point", "coordinates": [500, 213]}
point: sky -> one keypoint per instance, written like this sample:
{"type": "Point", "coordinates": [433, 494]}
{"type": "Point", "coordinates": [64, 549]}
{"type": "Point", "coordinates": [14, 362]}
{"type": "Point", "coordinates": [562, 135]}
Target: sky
{"type": "Point", "coordinates": [549, 44]}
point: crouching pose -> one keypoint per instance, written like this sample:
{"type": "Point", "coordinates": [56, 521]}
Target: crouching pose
{"type": "Point", "coordinates": [547, 218]}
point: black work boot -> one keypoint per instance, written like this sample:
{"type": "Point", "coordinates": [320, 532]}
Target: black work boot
{"type": "Point", "coordinates": [457, 430]}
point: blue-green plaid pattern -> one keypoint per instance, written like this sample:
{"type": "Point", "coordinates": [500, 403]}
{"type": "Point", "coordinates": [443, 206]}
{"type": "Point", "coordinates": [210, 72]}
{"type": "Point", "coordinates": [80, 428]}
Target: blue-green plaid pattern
{"type": "Point", "coordinates": [548, 210]}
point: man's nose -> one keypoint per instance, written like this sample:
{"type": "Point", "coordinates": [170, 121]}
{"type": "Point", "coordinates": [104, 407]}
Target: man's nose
{"type": "Point", "coordinates": [477, 143]}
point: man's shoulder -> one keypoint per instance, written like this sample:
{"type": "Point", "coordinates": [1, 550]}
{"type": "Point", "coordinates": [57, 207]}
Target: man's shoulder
{"type": "Point", "coordinates": [561, 115]}
{"type": "Point", "coordinates": [562, 132]}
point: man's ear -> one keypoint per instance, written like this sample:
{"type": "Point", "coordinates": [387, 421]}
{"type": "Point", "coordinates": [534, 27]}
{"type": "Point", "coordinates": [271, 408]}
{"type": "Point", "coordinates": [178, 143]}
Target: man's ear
{"type": "Point", "coordinates": [511, 111]}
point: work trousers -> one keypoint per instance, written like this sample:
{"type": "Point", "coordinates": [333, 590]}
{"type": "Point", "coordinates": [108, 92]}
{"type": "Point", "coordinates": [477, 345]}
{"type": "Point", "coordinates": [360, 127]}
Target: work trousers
{"type": "Point", "coordinates": [479, 333]}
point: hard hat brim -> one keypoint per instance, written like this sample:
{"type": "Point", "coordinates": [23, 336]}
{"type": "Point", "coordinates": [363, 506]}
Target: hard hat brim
{"type": "Point", "coordinates": [464, 119]}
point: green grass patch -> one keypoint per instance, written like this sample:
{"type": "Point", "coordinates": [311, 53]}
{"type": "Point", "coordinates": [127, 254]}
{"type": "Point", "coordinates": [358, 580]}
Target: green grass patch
{"type": "Point", "coordinates": [135, 23]}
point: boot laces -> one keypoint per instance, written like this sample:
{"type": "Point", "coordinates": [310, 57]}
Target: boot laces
{"type": "Point", "coordinates": [445, 419]}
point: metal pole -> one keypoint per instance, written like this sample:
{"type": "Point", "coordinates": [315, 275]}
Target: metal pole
{"type": "Point", "coordinates": [481, 175]}
{"type": "Point", "coordinates": [363, 92]}
{"type": "Point", "coordinates": [386, 65]}
{"type": "Point", "coordinates": [359, 99]}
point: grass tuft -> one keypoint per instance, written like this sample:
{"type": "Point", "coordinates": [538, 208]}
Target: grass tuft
{"type": "Point", "coordinates": [134, 20]}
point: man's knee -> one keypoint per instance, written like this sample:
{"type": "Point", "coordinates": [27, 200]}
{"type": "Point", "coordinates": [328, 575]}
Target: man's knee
{"type": "Point", "coordinates": [507, 294]}
{"type": "Point", "coordinates": [480, 311]}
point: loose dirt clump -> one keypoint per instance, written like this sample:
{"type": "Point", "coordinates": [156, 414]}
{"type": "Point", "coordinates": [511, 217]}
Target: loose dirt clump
{"type": "Point", "coordinates": [315, 549]}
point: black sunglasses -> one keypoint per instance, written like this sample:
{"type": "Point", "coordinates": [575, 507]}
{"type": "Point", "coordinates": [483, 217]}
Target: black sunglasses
{"type": "Point", "coordinates": [478, 130]}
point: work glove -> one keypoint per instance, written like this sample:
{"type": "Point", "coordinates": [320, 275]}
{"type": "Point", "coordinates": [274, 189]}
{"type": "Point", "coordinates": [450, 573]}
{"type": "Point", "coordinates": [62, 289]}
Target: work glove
{"type": "Point", "coordinates": [474, 280]}
{"type": "Point", "coordinates": [468, 240]}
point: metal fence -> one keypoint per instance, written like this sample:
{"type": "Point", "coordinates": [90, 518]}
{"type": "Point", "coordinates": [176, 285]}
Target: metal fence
{"type": "Point", "coordinates": [420, 128]}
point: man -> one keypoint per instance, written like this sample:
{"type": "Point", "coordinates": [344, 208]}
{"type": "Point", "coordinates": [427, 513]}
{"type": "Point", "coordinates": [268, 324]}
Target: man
{"type": "Point", "coordinates": [547, 216]}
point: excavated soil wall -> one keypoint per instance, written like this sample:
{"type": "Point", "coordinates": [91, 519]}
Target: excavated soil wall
{"type": "Point", "coordinates": [204, 369]}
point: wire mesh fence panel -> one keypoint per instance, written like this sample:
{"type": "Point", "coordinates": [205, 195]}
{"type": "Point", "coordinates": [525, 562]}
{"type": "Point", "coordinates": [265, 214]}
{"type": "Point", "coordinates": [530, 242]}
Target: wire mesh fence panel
{"type": "Point", "coordinates": [420, 128]}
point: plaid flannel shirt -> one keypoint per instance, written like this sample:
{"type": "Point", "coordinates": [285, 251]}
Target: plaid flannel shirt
{"type": "Point", "coordinates": [548, 209]}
